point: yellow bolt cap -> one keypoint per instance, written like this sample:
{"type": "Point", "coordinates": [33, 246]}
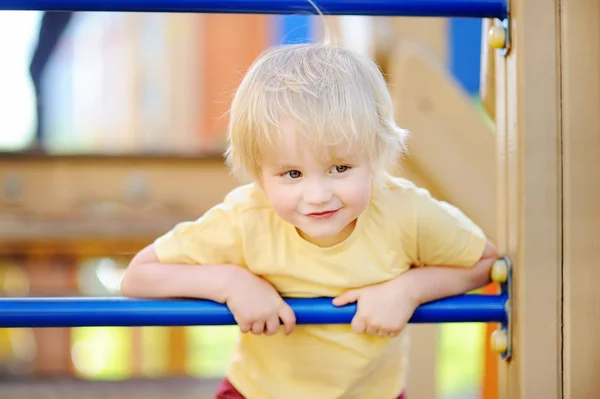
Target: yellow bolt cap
{"type": "Point", "coordinates": [497, 37]}
{"type": "Point", "coordinates": [499, 273]}
{"type": "Point", "coordinates": [499, 341]}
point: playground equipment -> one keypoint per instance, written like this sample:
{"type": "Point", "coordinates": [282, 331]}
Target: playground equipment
{"type": "Point", "coordinates": [547, 92]}
{"type": "Point", "coordinates": [73, 312]}
{"type": "Point", "coordinates": [79, 312]}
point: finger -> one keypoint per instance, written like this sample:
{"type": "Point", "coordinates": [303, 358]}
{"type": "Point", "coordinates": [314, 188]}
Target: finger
{"type": "Point", "coordinates": [346, 298]}
{"type": "Point", "coordinates": [393, 333]}
{"type": "Point", "coordinates": [382, 332]}
{"type": "Point", "coordinates": [371, 330]}
{"type": "Point", "coordinates": [258, 327]}
{"type": "Point", "coordinates": [272, 326]}
{"type": "Point", "coordinates": [245, 326]}
{"type": "Point", "coordinates": [288, 318]}
{"type": "Point", "coordinates": [358, 325]}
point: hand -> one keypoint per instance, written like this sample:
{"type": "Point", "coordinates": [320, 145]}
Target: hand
{"type": "Point", "coordinates": [383, 309]}
{"type": "Point", "coordinates": [257, 306]}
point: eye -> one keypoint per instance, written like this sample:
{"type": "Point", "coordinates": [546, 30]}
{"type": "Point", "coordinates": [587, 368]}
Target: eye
{"type": "Point", "coordinates": [294, 174]}
{"type": "Point", "coordinates": [340, 168]}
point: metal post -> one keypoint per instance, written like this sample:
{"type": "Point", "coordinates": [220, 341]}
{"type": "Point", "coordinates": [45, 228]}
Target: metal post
{"type": "Point", "coordinates": [410, 8]}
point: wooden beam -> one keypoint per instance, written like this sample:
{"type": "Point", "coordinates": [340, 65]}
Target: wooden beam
{"type": "Point", "coordinates": [408, 169]}
{"type": "Point", "coordinates": [529, 197]}
{"type": "Point", "coordinates": [580, 32]}
{"type": "Point", "coordinates": [487, 81]}
{"type": "Point", "coordinates": [451, 142]}
{"type": "Point", "coordinates": [78, 198]}
{"type": "Point", "coordinates": [429, 33]}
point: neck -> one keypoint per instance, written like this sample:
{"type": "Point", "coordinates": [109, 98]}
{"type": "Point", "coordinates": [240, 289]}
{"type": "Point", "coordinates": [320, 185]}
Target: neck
{"type": "Point", "coordinates": [325, 242]}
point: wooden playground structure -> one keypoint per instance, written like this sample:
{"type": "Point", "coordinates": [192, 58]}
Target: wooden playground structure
{"type": "Point", "coordinates": [524, 173]}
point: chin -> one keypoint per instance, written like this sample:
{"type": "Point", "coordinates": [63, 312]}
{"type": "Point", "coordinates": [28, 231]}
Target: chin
{"type": "Point", "coordinates": [321, 233]}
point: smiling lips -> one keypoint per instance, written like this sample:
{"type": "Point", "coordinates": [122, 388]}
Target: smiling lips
{"type": "Point", "coordinates": [322, 215]}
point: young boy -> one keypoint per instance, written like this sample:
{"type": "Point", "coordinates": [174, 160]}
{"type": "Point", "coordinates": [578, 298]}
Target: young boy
{"type": "Point", "coordinates": [312, 126]}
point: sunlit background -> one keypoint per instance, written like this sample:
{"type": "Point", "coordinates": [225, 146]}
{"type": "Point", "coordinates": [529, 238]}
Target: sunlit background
{"type": "Point", "coordinates": [137, 84]}
{"type": "Point", "coordinates": [17, 97]}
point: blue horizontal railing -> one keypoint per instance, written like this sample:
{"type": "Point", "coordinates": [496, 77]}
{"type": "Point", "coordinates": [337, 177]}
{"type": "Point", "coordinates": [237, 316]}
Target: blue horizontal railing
{"type": "Point", "coordinates": [414, 8]}
{"type": "Point", "coordinates": [117, 311]}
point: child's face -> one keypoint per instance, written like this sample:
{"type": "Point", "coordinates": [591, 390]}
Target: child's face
{"type": "Point", "coordinates": [323, 200]}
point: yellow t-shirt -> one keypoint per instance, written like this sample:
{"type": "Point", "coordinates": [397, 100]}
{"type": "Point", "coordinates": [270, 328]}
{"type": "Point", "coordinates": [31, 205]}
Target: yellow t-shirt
{"type": "Point", "coordinates": [402, 226]}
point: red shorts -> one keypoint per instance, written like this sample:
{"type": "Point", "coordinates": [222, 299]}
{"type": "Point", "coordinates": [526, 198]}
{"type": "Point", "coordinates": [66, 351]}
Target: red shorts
{"type": "Point", "coordinates": [228, 391]}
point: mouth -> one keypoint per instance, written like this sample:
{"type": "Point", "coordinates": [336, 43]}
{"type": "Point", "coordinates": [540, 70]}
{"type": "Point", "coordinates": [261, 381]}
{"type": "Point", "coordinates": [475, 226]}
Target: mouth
{"type": "Point", "coordinates": [322, 215]}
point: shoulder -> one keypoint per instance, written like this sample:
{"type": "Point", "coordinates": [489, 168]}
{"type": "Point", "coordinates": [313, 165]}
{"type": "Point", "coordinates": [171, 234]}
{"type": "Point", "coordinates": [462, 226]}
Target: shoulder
{"type": "Point", "coordinates": [244, 199]}
{"type": "Point", "coordinates": [228, 218]}
{"type": "Point", "coordinates": [399, 204]}
{"type": "Point", "coordinates": [398, 194]}
{"type": "Point", "coordinates": [247, 196]}
{"type": "Point", "coordinates": [394, 205]}
{"type": "Point", "coordinates": [393, 213]}
{"type": "Point", "coordinates": [236, 206]}
{"type": "Point", "coordinates": [217, 236]}
{"type": "Point", "coordinates": [248, 208]}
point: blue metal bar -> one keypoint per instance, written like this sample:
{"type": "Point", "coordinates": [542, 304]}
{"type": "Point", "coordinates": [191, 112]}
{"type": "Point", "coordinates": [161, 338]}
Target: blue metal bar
{"type": "Point", "coordinates": [126, 312]}
{"type": "Point", "coordinates": [411, 8]}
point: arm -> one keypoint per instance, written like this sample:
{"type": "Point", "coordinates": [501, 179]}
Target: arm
{"type": "Point", "coordinates": [255, 303]}
{"type": "Point", "coordinates": [146, 277]}
{"type": "Point", "coordinates": [385, 308]}
{"type": "Point", "coordinates": [429, 283]}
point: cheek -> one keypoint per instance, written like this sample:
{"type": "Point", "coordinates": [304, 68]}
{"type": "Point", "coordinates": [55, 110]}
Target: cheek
{"type": "Point", "coordinates": [358, 192]}
{"type": "Point", "coordinates": [281, 198]}
{"type": "Point", "coordinates": [283, 204]}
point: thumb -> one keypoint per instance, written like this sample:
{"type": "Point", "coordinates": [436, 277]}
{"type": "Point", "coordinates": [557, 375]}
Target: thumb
{"type": "Point", "coordinates": [288, 317]}
{"type": "Point", "coordinates": [346, 298]}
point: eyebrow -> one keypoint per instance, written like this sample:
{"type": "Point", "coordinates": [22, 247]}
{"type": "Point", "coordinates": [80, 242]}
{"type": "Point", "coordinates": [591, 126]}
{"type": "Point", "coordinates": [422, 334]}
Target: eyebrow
{"type": "Point", "coordinates": [286, 167]}
{"type": "Point", "coordinates": [338, 161]}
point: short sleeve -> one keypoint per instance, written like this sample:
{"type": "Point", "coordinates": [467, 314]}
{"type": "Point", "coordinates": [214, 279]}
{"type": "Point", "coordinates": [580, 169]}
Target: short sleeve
{"type": "Point", "coordinates": [214, 238]}
{"type": "Point", "coordinates": [444, 234]}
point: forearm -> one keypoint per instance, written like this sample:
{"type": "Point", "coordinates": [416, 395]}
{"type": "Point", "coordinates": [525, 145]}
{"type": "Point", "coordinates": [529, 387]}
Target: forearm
{"type": "Point", "coordinates": [157, 280]}
{"type": "Point", "coordinates": [435, 282]}
{"type": "Point", "coordinates": [430, 283]}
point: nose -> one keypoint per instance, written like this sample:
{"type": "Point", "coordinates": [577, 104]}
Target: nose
{"type": "Point", "coordinates": [317, 192]}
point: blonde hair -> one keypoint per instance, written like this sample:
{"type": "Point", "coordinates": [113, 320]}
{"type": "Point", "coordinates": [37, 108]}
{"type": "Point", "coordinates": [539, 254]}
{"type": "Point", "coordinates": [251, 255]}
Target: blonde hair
{"type": "Point", "coordinates": [331, 95]}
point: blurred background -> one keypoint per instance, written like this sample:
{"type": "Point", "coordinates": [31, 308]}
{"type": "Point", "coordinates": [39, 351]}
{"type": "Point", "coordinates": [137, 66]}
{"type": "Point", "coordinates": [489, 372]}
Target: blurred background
{"type": "Point", "coordinates": [112, 129]}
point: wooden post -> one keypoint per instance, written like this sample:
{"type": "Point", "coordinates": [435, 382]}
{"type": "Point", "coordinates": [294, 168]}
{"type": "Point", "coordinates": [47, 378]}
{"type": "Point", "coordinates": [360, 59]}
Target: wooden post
{"type": "Point", "coordinates": [489, 390]}
{"type": "Point", "coordinates": [178, 347]}
{"type": "Point", "coordinates": [52, 276]}
{"type": "Point", "coordinates": [230, 43]}
{"type": "Point", "coordinates": [580, 48]}
{"type": "Point", "coordinates": [530, 197]}
{"type": "Point", "coordinates": [487, 85]}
